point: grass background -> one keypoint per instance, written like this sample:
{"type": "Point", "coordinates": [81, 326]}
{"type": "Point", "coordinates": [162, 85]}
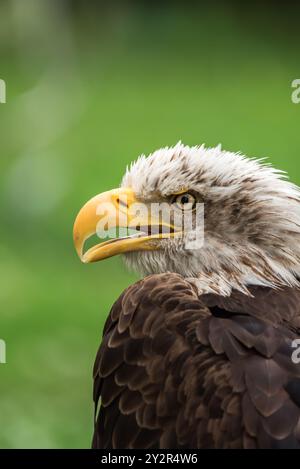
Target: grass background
{"type": "Point", "coordinates": [90, 86]}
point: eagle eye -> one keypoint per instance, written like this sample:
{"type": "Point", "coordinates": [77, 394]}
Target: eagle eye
{"type": "Point", "coordinates": [185, 201]}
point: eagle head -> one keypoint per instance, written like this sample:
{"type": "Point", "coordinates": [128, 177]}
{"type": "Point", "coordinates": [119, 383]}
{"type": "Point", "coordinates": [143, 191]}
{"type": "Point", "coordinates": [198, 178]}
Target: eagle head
{"type": "Point", "coordinates": [218, 218]}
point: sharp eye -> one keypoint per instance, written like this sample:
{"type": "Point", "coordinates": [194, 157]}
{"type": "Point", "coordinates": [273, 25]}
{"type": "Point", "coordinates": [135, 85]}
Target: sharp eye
{"type": "Point", "coordinates": [185, 201]}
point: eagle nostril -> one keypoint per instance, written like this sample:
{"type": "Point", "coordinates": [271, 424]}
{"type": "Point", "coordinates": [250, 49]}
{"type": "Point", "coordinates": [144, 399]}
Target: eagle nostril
{"type": "Point", "coordinates": [121, 203]}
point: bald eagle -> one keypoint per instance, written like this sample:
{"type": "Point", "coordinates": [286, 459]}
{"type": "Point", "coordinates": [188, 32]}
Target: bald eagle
{"type": "Point", "coordinates": [200, 353]}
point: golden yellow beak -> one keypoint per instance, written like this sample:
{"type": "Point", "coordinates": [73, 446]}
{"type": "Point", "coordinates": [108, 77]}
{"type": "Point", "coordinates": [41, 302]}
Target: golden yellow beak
{"type": "Point", "coordinates": [117, 209]}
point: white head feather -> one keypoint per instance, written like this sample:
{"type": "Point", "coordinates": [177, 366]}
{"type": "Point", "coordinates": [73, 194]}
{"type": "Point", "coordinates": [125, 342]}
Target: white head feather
{"type": "Point", "coordinates": [252, 218]}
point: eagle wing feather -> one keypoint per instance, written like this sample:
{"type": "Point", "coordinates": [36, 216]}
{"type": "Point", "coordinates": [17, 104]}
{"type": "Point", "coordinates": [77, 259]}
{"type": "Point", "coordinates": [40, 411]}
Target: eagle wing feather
{"type": "Point", "coordinates": [178, 371]}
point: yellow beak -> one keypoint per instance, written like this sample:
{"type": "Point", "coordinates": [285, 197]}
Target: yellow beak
{"type": "Point", "coordinates": [117, 209]}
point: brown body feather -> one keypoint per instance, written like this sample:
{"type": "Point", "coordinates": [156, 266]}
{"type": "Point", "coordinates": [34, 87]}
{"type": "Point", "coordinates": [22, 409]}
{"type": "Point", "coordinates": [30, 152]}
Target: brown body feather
{"type": "Point", "coordinates": [178, 371]}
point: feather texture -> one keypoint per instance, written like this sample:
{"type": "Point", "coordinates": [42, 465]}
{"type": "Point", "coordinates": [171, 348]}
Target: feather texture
{"type": "Point", "coordinates": [176, 370]}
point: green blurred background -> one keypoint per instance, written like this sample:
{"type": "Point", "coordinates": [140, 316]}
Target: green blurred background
{"type": "Point", "coordinates": [91, 85]}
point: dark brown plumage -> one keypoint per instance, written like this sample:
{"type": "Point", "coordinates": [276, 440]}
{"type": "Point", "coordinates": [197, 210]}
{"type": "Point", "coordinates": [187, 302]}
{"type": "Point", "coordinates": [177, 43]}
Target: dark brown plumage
{"type": "Point", "coordinates": [200, 357]}
{"type": "Point", "coordinates": [175, 370]}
